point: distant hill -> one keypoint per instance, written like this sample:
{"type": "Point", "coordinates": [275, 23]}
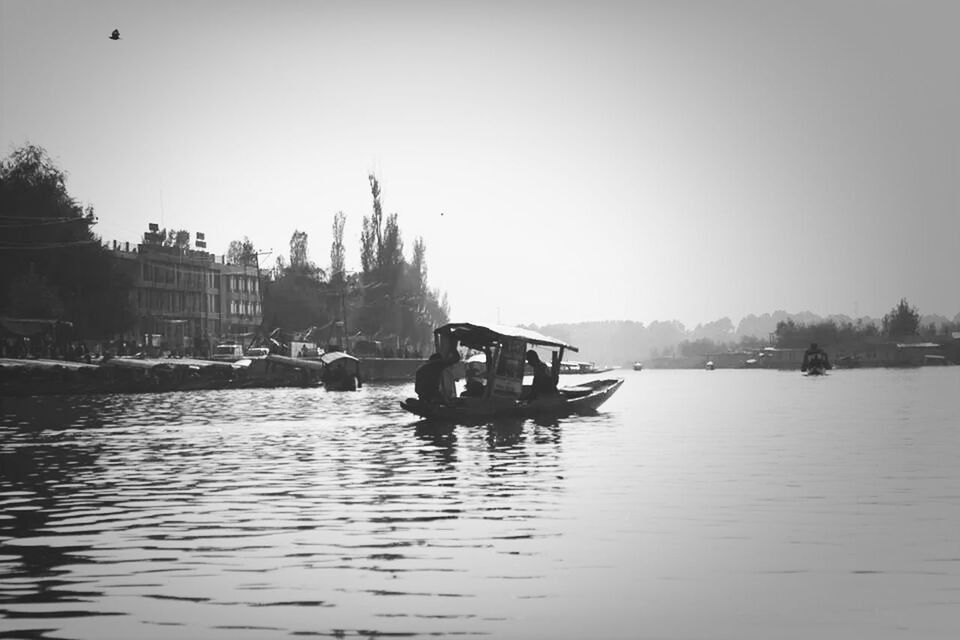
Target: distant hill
{"type": "Point", "coordinates": [622, 342]}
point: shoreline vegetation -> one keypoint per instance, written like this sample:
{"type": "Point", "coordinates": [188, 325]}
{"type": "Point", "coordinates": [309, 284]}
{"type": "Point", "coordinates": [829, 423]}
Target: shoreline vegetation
{"type": "Point", "coordinates": [66, 296]}
{"type": "Point", "coordinates": [851, 342]}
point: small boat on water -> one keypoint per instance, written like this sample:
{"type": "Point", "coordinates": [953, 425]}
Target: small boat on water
{"type": "Point", "coordinates": [815, 370]}
{"type": "Point", "coordinates": [573, 367]}
{"type": "Point", "coordinates": [638, 366]}
{"type": "Point", "coordinates": [341, 371]}
{"type": "Point", "coordinates": [815, 361]}
{"type": "Point", "coordinates": [503, 394]}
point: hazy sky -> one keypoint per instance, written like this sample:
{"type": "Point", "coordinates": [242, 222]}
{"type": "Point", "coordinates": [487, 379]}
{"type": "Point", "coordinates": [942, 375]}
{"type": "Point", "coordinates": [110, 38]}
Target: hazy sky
{"type": "Point", "coordinates": [563, 161]}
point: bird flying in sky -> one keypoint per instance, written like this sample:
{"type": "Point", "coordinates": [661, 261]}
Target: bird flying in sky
{"type": "Point", "coordinates": [115, 35]}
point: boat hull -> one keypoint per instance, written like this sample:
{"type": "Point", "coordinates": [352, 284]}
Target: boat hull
{"type": "Point", "coordinates": [581, 399]}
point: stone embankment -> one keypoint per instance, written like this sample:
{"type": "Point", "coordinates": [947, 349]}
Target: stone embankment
{"type": "Point", "coordinates": [135, 375]}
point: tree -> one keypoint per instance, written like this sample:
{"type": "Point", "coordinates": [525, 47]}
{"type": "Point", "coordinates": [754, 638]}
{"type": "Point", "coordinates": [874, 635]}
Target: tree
{"type": "Point", "coordinates": [391, 246]}
{"type": "Point", "coordinates": [298, 249]}
{"type": "Point", "coordinates": [418, 267]}
{"type": "Point", "coordinates": [337, 251]}
{"type": "Point", "coordinates": [179, 239]}
{"type": "Point", "coordinates": [903, 320]}
{"type": "Point", "coordinates": [718, 331]}
{"type": "Point", "coordinates": [371, 233]}
{"type": "Point", "coordinates": [242, 252]}
{"type": "Point", "coordinates": [31, 296]}
{"type": "Point", "coordinates": [397, 304]}
{"type": "Point", "coordinates": [300, 263]}
{"type": "Point", "coordinates": [47, 241]}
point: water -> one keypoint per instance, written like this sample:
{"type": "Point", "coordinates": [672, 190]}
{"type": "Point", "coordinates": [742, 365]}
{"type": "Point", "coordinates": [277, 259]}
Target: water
{"type": "Point", "coordinates": [723, 504]}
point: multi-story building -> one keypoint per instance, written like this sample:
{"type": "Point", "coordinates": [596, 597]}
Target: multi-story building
{"type": "Point", "coordinates": [188, 300]}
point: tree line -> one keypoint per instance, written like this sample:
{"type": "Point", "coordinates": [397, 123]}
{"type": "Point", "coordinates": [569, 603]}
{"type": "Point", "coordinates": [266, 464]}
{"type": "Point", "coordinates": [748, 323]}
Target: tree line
{"type": "Point", "coordinates": [388, 301]}
{"type": "Point", "coordinates": [625, 341]}
{"type": "Point", "coordinates": [53, 266]}
{"type": "Point", "coordinates": [902, 322]}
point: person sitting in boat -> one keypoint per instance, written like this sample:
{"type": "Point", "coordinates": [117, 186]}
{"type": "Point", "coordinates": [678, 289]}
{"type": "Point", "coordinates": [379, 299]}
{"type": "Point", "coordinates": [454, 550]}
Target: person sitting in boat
{"type": "Point", "coordinates": [815, 358]}
{"type": "Point", "coordinates": [427, 384]}
{"type": "Point", "coordinates": [543, 382]}
{"type": "Point", "coordinates": [434, 380]}
{"type": "Point", "coordinates": [476, 376]}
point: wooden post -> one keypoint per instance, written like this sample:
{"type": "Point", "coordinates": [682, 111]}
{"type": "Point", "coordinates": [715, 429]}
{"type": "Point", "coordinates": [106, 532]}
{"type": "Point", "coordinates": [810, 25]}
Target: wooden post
{"type": "Point", "coordinates": [555, 371]}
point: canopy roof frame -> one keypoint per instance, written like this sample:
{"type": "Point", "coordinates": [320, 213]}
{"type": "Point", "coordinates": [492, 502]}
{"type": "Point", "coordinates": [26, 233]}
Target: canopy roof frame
{"type": "Point", "coordinates": [478, 336]}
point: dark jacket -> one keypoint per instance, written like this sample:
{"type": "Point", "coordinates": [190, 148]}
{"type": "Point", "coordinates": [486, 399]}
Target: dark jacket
{"type": "Point", "coordinates": [542, 380]}
{"type": "Point", "coordinates": [427, 384]}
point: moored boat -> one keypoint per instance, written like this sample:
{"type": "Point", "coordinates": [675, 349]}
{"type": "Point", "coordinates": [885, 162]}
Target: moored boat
{"type": "Point", "coordinates": [503, 393]}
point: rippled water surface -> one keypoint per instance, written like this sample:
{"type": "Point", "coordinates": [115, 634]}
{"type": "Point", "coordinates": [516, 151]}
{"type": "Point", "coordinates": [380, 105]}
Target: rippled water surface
{"type": "Point", "coordinates": [723, 504]}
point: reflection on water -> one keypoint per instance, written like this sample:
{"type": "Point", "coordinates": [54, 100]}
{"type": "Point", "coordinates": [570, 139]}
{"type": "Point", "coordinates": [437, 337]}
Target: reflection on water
{"type": "Point", "coordinates": [290, 511]}
{"type": "Point", "coordinates": [767, 505]}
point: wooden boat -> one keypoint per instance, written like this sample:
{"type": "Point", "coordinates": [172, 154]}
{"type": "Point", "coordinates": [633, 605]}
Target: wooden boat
{"type": "Point", "coordinates": [815, 361]}
{"type": "Point", "coordinates": [341, 371]}
{"type": "Point", "coordinates": [583, 399]}
{"type": "Point", "coordinates": [503, 394]}
{"type": "Point", "coordinates": [815, 370]}
{"type": "Point", "coordinates": [575, 367]}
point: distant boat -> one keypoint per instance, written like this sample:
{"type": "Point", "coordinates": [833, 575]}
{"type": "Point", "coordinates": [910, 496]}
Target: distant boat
{"type": "Point", "coordinates": [815, 362]}
{"type": "Point", "coordinates": [638, 366]}
{"type": "Point", "coordinates": [815, 370]}
{"type": "Point", "coordinates": [574, 367]}
{"type": "Point", "coordinates": [710, 365]}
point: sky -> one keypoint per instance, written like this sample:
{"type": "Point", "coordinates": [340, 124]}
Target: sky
{"type": "Point", "coordinates": [563, 161]}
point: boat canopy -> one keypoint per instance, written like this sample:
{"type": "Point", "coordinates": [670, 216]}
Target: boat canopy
{"type": "Point", "coordinates": [332, 356]}
{"type": "Point", "coordinates": [478, 336]}
{"type": "Point", "coordinates": [304, 363]}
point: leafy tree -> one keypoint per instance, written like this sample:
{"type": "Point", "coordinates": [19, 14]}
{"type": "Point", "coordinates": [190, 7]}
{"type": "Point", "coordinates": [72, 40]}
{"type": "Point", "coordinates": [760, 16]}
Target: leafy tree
{"type": "Point", "coordinates": [389, 299]}
{"type": "Point", "coordinates": [902, 320]}
{"type": "Point", "coordinates": [721, 330]}
{"type": "Point", "coordinates": [32, 296]}
{"type": "Point", "coordinates": [242, 252]}
{"type": "Point", "coordinates": [295, 302]}
{"type": "Point", "coordinates": [179, 239]}
{"type": "Point", "coordinates": [701, 347]}
{"type": "Point", "coordinates": [50, 260]}
{"type": "Point", "coordinates": [300, 263]}
{"type": "Point", "coordinates": [279, 268]}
